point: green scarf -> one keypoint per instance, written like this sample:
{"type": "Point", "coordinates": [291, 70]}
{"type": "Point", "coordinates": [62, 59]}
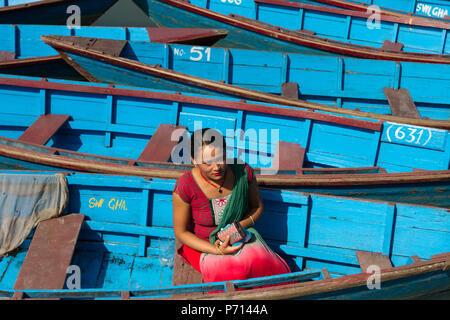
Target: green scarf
{"type": "Point", "coordinates": [237, 205]}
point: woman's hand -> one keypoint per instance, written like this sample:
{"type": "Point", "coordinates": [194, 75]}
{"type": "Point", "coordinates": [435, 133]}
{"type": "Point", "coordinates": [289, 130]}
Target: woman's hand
{"type": "Point", "coordinates": [226, 248]}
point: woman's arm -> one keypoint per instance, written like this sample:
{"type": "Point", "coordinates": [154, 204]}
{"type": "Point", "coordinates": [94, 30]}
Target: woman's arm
{"type": "Point", "coordinates": [181, 219]}
{"type": "Point", "coordinates": [255, 204]}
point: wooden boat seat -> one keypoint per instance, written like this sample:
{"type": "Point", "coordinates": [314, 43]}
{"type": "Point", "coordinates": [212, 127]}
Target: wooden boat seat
{"type": "Point", "coordinates": [290, 90]}
{"type": "Point", "coordinates": [160, 146]}
{"type": "Point", "coordinates": [7, 56]}
{"type": "Point", "coordinates": [392, 46]}
{"type": "Point", "coordinates": [366, 259]}
{"type": "Point", "coordinates": [288, 157]}
{"type": "Point", "coordinates": [401, 103]}
{"type": "Point", "coordinates": [184, 273]}
{"type": "Point", "coordinates": [43, 128]}
{"type": "Point", "coordinates": [50, 253]}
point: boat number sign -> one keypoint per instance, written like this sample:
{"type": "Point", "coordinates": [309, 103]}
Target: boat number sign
{"type": "Point", "coordinates": [195, 54]}
{"type": "Point", "coordinates": [415, 136]}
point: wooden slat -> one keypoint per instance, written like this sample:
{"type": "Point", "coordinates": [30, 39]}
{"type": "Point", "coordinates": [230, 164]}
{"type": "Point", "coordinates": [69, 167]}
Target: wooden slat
{"type": "Point", "coordinates": [290, 90]}
{"type": "Point", "coordinates": [392, 46]}
{"type": "Point", "coordinates": [325, 273]}
{"type": "Point", "coordinates": [288, 157]}
{"type": "Point", "coordinates": [43, 128]}
{"type": "Point", "coordinates": [183, 272]}
{"type": "Point", "coordinates": [401, 103]}
{"type": "Point", "coordinates": [160, 145]}
{"type": "Point", "coordinates": [188, 36]}
{"type": "Point", "coordinates": [7, 56]}
{"type": "Point", "coordinates": [50, 253]}
{"type": "Point", "coordinates": [366, 259]}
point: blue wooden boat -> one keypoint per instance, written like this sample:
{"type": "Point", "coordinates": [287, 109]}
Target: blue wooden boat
{"type": "Point", "coordinates": [51, 11]}
{"type": "Point", "coordinates": [368, 85]}
{"type": "Point", "coordinates": [296, 27]}
{"type": "Point", "coordinates": [436, 9]}
{"type": "Point", "coordinates": [23, 53]}
{"type": "Point", "coordinates": [114, 240]}
{"type": "Point", "coordinates": [66, 125]}
{"type": "Point", "coordinates": [337, 81]}
{"type": "Point", "coordinates": [102, 62]}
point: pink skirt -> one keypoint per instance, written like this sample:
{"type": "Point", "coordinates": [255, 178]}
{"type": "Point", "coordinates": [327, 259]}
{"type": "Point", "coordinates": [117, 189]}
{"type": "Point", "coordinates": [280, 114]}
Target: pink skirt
{"type": "Point", "coordinates": [255, 259]}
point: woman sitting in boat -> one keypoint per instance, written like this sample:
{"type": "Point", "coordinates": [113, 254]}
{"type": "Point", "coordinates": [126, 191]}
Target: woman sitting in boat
{"type": "Point", "coordinates": [210, 197]}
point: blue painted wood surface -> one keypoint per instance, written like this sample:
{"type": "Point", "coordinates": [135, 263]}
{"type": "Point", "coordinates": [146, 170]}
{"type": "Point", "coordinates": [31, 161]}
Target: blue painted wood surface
{"type": "Point", "coordinates": [55, 13]}
{"type": "Point", "coordinates": [341, 82]}
{"type": "Point", "coordinates": [326, 25]}
{"type": "Point", "coordinates": [397, 148]}
{"type": "Point", "coordinates": [324, 231]}
{"type": "Point", "coordinates": [25, 43]}
{"type": "Point", "coordinates": [120, 124]}
{"type": "Point", "coordinates": [106, 68]}
{"type": "Point", "coordinates": [25, 40]}
{"type": "Point", "coordinates": [437, 9]}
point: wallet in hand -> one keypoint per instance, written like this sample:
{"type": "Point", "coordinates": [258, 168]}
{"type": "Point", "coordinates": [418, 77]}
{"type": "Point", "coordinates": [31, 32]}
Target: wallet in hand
{"type": "Point", "coordinates": [234, 230]}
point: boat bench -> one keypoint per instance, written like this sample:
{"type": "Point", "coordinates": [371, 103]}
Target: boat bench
{"type": "Point", "coordinates": [401, 103]}
{"type": "Point", "coordinates": [43, 129]}
{"type": "Point", "coordinates": [49, 255]}
{"type": "Point", "coordinates": [160, 145]}
{"type": "Point", "coordinates": [367, 259]}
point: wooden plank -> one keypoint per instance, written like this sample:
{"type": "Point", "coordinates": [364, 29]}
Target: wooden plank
{"type": "Point", "coordinates": [43, 128]}
{"type": "Point", "coordinates": [367, 259]}
{"type": "Point", "coordinates": [392, 46]}
{"type": "Point", "coordinates": [188, 36]}
{"type": "Point", "coordinates": [288, 157]}
{"type": "Point", "coordinates": [401, 103]}
{"type": "Point", "coordinates": [325, 273]}
{"type": "Point", "coordinates": [50, 253]}
{"type": "Point", "coordinates": [290, 90]}
{"type": "Point", "coordinates": [7, 56]}
{"type": "Point", "coordinates": [183, 272]}
{"type": "Point", "coordinates": [160, 146]}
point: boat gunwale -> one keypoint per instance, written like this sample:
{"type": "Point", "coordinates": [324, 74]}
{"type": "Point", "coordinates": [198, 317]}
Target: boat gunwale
{"type": "Point", "coordinates": [264, 180]}
{"type": "Point", "coordinates": [440, 262]}
{"type": "Point", "coordinates": [409, 20]}
{"type": "Point", "coordinates": [361, 6]}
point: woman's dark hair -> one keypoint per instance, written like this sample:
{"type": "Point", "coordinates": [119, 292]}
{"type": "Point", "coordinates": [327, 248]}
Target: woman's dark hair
{"type": "Point", "coordinates": [205, 137]}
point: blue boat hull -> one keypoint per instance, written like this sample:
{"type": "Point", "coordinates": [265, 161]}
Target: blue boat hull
{"type": "Point", "coordinates": [431, 194]}
{"type": "Point", "coordinates": [423, 286]}
{"type": "Point", "coordinates": [117, 123]}
{"type": "Point", "coordinates": [54, 13]}
{"type": "Point", "coordinates": [99, 66]}
{"type": "Point", "coordinates": [437, 9]}
{"type": "Point", "coordinates": [164, 15]}
{"type": "Point", "coordinates": [124, 248]}
{"type": "Point", "coordinates": [329, 25]}
{"type": "Point", "coordinates": [342, 82]}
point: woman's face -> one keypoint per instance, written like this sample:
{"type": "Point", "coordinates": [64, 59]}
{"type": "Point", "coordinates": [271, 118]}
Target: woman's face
{"type": "Point", "coordinates": [213, 164]}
